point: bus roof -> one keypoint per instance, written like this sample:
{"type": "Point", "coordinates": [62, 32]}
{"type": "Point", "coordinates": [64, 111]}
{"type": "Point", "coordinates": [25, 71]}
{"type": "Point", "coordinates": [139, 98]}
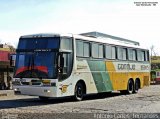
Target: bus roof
{"type": "Point", "coordinates": [102, 35]}
{"type": "Point", "coordinates": [109, 41]}
{"type": "Point", "coordinates": [92, 36]}
{"type": "Point", "coordinates": [40, 35]}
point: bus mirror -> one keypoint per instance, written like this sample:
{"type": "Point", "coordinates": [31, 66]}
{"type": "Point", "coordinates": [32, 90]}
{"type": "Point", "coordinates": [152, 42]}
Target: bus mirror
{"type": "Point", "coordinates": [65, 51]}
{"type": "Point", "coordinates": [61, 63]}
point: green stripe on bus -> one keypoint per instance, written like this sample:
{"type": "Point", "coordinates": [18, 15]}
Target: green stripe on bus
{"type": "Point", "coordinates": [100, 76]}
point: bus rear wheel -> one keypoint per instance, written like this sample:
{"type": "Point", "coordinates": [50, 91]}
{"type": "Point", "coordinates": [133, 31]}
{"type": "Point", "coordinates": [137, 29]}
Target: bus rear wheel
{"type": "Point", "coordinates": [130, 87]}
{"type": "Point", "coordinates": [79, 92]}
{"type": "Point", "coordinates": [136, 86]}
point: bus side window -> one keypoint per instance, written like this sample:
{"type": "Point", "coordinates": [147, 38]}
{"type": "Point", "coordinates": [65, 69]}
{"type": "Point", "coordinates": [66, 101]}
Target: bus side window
{"type": "Point", "coordinates": [79, 48]}
{"type": "Point", "coordinates": [124, 54]}
{"type": "Point", "coordinates": [100, 51]}
{"type": "Point", "coordinates": [143, 56]}
{"type": "Point", "coordinates": [113, 52]}
{"type": "Point", "coordinates": [86, 49]}
{"type": "Point", "coordinates": [130, 54]}
{"type": "Point", "coordinates": [108, 52]}
{"type": "Point", "coordinates": [146, 55]}
{"type": "Point", "coordinates": [120, 53]}
{"type": "Point", "coordinates": [134, 55]}
{"type": "Point", "coordinates": [95, 50]}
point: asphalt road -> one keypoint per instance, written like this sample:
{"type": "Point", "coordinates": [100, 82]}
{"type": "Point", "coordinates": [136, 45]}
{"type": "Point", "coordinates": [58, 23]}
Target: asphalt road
{"type": "Point", "coordinates": [146, 101]}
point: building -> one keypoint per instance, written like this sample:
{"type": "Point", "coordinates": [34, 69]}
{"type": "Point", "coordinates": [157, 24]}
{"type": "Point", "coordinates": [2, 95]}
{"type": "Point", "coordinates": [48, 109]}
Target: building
{"type": "Point", "coordinates": [155, 69]}
{"type": "Point", "coordinates": [6, 71]}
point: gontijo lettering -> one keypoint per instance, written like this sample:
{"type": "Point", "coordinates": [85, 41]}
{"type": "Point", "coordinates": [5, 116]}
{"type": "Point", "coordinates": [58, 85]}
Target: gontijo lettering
{"type": "Point", "coordinates": [126, 66]}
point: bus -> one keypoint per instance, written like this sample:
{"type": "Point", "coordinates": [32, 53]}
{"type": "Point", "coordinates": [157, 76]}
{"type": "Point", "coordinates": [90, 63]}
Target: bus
{"type": "Point", "coordinates": [59, 65]}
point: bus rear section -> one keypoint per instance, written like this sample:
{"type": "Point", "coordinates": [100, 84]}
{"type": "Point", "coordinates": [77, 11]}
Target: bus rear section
{"type": "Point", "coordinates": [107, 67]}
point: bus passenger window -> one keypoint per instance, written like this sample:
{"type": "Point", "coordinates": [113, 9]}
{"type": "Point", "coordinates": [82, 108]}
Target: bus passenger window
{"type": "Point", "coordinates": [108, 52]}
{"type": "Point", "coordinates": [113, 52]}
{"type": "Point", "coordinates": [79, 48]}
{"type": "Point", "coordinates": [147, 55]}
{"type": "Point", "coordinates": [86, 52]}
{"type": "Point", "coordinates": [94, 50]}
{"type": "Point", "coordinates": [143, 55]}
{"type": "Point", "coordinates": [124, 54]}
{"type": "Point", "coordinates": [120, 53]}
{"type": "Point", "coordinates": [100, 53]}
{"type": "Point", "coordinates": [130, 54]}
{"type": "Point", "coordinates": [134, 55]}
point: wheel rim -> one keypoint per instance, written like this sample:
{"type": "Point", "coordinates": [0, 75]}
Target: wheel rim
{"type": "Point", "coordinates": [79, 92]}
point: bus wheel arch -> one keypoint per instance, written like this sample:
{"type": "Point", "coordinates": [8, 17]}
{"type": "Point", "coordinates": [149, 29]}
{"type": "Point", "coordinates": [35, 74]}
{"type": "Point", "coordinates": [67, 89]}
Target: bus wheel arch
{"type": "Point", "coordinates": [80, 90]}
{"type": "Point", "coordinates": [137, 85]}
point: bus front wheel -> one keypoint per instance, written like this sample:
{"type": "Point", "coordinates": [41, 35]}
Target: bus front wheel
{"type": "Point", "coordinates": [79, 91]}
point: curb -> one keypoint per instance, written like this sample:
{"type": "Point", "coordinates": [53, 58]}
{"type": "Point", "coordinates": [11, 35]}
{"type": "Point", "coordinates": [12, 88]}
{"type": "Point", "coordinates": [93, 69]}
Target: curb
{"type": "Point", "coordinates": [6, 93]}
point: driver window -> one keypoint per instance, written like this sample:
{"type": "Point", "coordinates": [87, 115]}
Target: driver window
{"type": "Point", "coordinates": [66, 44]}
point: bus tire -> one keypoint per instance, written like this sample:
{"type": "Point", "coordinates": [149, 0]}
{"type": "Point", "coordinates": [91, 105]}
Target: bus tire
{"type": "Point", "coordinates": [136, 86]}
{"type": "Point", "coordinates": [130, 87]}
{"type": "Point", "coordinates": [79, 91]}
{"type": "Point", "coordinates": [43, 98]}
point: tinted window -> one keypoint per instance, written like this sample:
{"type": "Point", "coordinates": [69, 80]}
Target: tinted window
{"type": "Point", "coordinates": [120, 53]}
{"type": "Point", "coordinates": [108, 52]}
{"type": "Point", "coordinates": [143, 55]}
{"type": "Point", "coordinates": [124, 53]}
{"type": "Point", "coordinates": [86, 49]}
{"type": "Point", "coordinates": [113, 52]}
{"type": "Point", "coordinates": [79, 48]}
{"type": "Point", "coordinates": [39, 43]}
{"type": "Point", "coordinates": [100, 51]}
{"type": "Point", "coordinates": [82, 48]}
{"type": "Point", "coordinates": [130, 54]}
{"type": "Point", "coordinates": [140, 55]}
{"type": "Point", "coordinates": [147, 55]}
{"type": "Point", "coordinates": [134, 55]}
{"type": "Point", "coordinates": [95, 50]}
{"type": "Point", "coordinates": [66, 43]}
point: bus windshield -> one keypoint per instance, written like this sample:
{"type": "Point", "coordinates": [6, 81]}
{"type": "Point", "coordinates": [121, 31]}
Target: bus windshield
{"type": "Point", "coordinates": [36, 58]}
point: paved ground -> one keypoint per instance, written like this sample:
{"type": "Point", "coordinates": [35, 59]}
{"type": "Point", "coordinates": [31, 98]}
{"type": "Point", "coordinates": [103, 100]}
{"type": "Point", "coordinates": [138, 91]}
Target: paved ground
{"type": "Point", "coordinates": [95, 106]}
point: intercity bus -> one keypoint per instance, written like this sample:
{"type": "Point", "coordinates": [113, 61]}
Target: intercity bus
{"type": "Point", "coordinates": [58, 65]}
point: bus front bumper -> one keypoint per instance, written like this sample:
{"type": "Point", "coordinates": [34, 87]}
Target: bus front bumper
{"type": "Point", "coordinates": [46, 91]}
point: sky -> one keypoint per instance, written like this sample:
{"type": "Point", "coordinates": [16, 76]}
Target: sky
{"type": "Point", "coordinates": [120, 18]}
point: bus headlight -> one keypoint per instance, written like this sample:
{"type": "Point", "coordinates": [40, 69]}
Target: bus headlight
{"type": "Point", "coordinates": [16, 89]}
{"type": "Point", "coordinates": [47, 91]}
